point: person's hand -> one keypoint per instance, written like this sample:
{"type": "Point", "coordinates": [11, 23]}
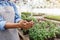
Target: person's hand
{"type": "Point", "coordinates": [29, 25]}
{"type": "Point", "coordinates": [25, 25]}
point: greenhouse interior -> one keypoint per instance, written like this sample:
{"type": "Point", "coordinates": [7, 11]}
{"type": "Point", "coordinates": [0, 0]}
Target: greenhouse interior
{"type": "Point", "coordinates": [46, 17]}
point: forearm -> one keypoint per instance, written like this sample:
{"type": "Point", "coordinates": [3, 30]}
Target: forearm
{"type": "Point", "coordinates": [11, 25]}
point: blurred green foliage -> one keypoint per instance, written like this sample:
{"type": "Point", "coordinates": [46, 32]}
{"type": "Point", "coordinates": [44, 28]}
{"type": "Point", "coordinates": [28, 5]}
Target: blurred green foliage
{"type": "Point", "coordinates": [53, 17]}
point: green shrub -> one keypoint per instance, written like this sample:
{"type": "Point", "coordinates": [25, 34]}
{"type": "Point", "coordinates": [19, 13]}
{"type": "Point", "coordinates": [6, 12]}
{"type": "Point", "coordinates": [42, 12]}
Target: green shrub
{"type": "Point", "coordinates": [43, 30]}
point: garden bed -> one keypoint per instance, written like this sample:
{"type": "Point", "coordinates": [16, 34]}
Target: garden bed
{"type": "Point", "coordinates": [52, 17]}
{"type": "Point", "coordinates": [43, 30]}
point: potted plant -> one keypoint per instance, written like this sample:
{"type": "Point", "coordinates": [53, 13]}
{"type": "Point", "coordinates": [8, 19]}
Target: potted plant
{"type": "Point", "coordinates": [27, 16]}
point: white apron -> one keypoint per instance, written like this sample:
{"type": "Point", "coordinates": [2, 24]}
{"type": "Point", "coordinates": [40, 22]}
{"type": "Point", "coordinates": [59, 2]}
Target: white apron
{"type": "Point", "coordinates": [8, 14]}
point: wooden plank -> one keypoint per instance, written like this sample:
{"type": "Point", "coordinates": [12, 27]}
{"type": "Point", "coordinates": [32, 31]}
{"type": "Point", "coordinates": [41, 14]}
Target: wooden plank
{"type": "Point", "coordinates": [24, 37]}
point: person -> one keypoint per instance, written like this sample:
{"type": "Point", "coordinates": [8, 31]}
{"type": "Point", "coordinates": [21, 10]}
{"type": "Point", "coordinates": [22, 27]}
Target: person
{"type": "Point", "coordinates": [10, 21]}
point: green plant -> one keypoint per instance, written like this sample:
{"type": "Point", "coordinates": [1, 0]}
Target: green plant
{"type": "Point", "coordinates": [37, 33]}
{"type": "Point", "coordinates": [30, 19]}
{"type": "Point", "coordinates": [43, 30]}
{"type": "Point", "coordinates": [25, 15]}
{"type": "Point", "coordinates": [58, 30]}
